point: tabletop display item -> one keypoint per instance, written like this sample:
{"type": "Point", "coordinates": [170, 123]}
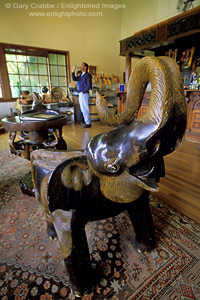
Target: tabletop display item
{"type": "Point", "coordinates": [25, 98]}
{"type": "Point", "coordinates": [45, 115]}
{"type": "Point", "coordinates": [58, 94]}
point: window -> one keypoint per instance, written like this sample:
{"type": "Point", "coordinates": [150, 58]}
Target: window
{"type": "Point", "coordinates": [1, 91]}
{"type": "Point", "coordinates": [32, 69]}
{"type": "Point", "coordinates": [58, 70]}
{"type": "Point", "coordinates": [26, 73]}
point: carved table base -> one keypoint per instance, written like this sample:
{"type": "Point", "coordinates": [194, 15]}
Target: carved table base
{"type": "Point", "coordinates": [27, 143]}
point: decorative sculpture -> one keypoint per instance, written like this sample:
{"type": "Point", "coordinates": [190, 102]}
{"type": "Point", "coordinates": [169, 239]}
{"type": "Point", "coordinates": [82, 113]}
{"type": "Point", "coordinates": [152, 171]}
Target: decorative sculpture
{"type": "Point", "coordinates": [117, 170]}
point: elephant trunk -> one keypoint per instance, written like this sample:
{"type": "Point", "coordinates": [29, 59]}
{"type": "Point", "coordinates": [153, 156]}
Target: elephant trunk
{"type": "Point", "coordinates": [129, 158]}
{"type": "Point", "coordinates": [167, 91]}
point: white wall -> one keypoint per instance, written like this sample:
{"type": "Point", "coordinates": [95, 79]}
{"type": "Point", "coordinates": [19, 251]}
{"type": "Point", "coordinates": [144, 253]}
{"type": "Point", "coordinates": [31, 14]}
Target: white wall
{"type": "Point", "coordinates": [5, 109]}
{"type": "Point", "coordinates": [91, 39]}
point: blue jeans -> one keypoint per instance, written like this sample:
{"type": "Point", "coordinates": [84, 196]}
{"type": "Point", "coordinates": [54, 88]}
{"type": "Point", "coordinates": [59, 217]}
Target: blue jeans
{"type": "Point", "coordinates": [84, 106]}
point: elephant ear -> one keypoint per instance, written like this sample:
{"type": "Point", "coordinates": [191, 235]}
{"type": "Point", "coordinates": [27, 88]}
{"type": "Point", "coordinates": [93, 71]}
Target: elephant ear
{"type": "Point", "coordinates": [76, 174]}
{"type": "Point", "coordinates": [66, 181]}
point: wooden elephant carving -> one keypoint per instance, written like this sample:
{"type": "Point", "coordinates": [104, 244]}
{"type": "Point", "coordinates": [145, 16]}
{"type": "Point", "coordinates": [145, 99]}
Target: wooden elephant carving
{"type": "Point", "coordinates": [116, 171]}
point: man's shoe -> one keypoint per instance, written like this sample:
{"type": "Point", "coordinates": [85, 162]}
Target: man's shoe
{"type": "Point", "coordinates": [86, 125]}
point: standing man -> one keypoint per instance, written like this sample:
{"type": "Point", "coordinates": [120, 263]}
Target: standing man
{"type": "Point", "coordinates": [80, 115]}
{"type": "Point", "coordinates": [85, 84]}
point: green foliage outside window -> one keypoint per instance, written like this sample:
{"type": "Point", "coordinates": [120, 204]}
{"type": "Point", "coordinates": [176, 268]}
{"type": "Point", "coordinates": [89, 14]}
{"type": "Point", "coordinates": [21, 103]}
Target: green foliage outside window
{"type": "Point", "coordinates": [32, 73]}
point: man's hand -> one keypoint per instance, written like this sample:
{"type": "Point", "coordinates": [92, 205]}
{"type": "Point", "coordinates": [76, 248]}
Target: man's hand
{"type": "Point", "coordinates": [73, 69]}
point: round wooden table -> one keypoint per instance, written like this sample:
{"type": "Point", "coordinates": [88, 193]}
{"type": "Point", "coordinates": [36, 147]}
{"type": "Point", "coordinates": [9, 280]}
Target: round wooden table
{"type": "Point", "coordinates": [33, 135]}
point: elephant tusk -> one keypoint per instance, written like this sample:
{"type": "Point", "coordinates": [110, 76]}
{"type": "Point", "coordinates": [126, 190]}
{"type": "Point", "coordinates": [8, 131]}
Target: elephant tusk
{"type": "Point", "coordinates": [147, 181]}
{"type": "Point", "coordinates": [146, 175]}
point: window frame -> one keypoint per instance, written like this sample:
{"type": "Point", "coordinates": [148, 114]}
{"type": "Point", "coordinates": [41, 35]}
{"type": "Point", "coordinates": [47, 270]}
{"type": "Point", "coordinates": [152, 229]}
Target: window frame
{"type": "Point", "coordinates": [4, 77]}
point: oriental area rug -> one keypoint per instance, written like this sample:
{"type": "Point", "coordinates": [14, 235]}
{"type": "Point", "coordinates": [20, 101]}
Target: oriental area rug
{"type": "Point", "coordinates": [31, 265]}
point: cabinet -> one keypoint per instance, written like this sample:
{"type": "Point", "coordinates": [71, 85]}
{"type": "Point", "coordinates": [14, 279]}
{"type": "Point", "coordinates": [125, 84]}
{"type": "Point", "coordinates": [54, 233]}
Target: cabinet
{"type": "Point", "coordinates": [177, 37]}
{"type": "Point", "coordinates": [180, 32]}
{"type": "Point", "coordinates": [193, 116]}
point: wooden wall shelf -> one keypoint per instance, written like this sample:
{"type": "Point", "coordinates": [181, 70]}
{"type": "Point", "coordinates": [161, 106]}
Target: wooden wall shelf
{"type": "Point", "coordinates": [162, 34]}
{"type": "Point", "coordinates": [176, 34]}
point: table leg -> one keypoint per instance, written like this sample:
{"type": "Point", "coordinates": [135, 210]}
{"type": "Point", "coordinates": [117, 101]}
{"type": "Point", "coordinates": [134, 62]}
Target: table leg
{"type": "Point", "coordinates": [20, 148]}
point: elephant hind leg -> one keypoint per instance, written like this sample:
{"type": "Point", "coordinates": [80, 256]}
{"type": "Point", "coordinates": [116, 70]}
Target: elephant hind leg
{"type": "Point", "coordinates": [141, 218]}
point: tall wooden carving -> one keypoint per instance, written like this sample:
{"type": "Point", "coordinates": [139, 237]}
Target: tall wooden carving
{"type": "Point", "coordinates": [117, 170]}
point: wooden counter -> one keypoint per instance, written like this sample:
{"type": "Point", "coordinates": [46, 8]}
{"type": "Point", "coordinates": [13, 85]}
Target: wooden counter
{"type": "Point", "coordinates": [193, 123]}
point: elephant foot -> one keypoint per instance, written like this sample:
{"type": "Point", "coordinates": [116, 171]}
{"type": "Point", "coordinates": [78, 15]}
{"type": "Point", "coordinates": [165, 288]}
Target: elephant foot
{"type": "Point", "coordinates": [81, 291]}
{"type": "Point", "coordinates": [145, 247]}
{"type": "Point", "coordinates": [79, 295]}
{"type": "Point", "coordinates": [82, 279]}
{"type": "Point", "coordinates": [84, 289]}
{"type": "Point", "coordinates": [51, 231]}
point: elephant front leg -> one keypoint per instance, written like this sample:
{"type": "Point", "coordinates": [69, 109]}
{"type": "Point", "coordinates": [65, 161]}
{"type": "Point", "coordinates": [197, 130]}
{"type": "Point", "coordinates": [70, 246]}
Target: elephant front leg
{"type": "Point", "coordinates": [141, 218]}
{"type": "Point", "coordinates": [78, 262]}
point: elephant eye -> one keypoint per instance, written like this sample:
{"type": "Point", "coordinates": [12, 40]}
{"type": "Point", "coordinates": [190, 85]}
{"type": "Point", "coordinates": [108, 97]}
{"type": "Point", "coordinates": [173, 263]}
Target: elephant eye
{"type": "Point", "coordinates": [112, 168]}
{"type": "Point", "coordinates": [112, 165]}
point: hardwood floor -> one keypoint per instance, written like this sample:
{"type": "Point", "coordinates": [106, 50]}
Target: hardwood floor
{"type": "Point", "coordinates": [180, 187]}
